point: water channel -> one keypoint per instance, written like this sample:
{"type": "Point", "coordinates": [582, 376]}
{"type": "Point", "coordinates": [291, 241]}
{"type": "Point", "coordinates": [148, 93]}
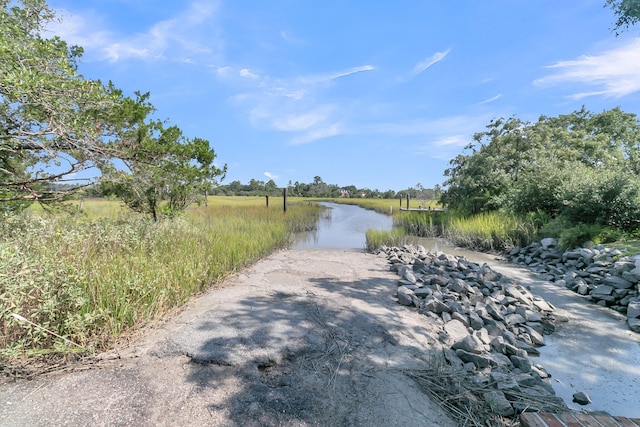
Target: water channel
{"type": "Point", "coordinates": [594, 352]}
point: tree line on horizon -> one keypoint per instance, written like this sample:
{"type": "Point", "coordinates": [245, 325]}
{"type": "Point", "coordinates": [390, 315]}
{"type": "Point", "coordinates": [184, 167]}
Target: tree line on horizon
{"type": "Point", "coordinates": [318, 188]}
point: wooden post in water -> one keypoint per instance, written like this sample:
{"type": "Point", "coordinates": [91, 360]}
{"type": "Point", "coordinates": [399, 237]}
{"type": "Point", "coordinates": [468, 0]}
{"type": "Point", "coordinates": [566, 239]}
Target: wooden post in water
{"type": "Point", "coordinates": [267, 196]}
{"type": "Point", "coordinates": [400, 198]}
{"type": "Point", "coordinates": [407, 202]}
{"type": "Point", "coordinates": [284, 196]}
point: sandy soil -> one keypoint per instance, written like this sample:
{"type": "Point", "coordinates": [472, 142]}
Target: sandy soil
{"type": "Point", "coordinates": [302, 338]}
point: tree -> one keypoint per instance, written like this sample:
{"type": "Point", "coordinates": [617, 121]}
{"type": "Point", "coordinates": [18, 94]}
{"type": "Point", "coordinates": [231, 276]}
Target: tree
{"type": "Point", "coordinates": [548, 165]}
{"type": "Point", "coordinates": [164, 171]}
{"type": "Point", "coordinates": [270, 187]}
{"type": "Point", "coordinates": [627, 12]}
{"type": "Point", "coordinates": [53, 122]}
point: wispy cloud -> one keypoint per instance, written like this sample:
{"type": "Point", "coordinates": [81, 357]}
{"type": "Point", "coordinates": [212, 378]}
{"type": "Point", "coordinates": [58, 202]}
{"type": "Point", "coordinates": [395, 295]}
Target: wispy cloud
{"type": "Point", "coordinates": [290, 38]}
{"type": "Point", "coordinates": [318, 133]}
{"type": "Point", "coordinates": [440, 138]}
{"type": "Point", "coordinates": [297, 106]}
{"type": "Point", "coordinates": [613, 73]}
{"type": "Point", "coordinates": [336, 75]}
{"type": "Point", "coordinates": [422, 66]}
{"type": "Point", "coordinates": [487, 101]}
{"type": "Point", "coordinates": [300, 122]}
{"type": "Point", "coordinates": [271, 175]}
{"type": "Point", "coordinates": [174, 39]}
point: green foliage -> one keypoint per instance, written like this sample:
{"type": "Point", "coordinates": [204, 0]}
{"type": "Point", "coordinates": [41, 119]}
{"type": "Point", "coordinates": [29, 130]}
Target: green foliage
{"type": "Point", "coordinates": [422, 224]}
{"type": "Point", "coordinates": [571, 235]}
{"type": "Point", "coordinates": [88, 281]}
{"type": "Point", "coordinates": [490, 231]}
{"type": "Point", "coordinates": [608, 198]}
{"type": "Point", "coordinates": [53, 122]}
{"type": "Point", "coordinates": [582, 166]}
{"type": "Point", "coordinates": [627, 12]}
{"type": "Point", "coordinates": [165, 171]}
{"type": "Point", "coordinates": [378, 238]}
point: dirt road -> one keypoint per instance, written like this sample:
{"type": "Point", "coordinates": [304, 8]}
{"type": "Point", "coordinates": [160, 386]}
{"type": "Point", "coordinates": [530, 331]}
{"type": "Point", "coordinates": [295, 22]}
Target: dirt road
{"type": "Point", "coordinates": [302, 338]}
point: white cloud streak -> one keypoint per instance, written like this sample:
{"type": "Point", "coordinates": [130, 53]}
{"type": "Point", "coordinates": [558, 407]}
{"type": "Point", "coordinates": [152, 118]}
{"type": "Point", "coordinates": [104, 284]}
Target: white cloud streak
{"type": "Point", "coordinates": [613, 73]}
{"type": "Point", "coordinates": [487, 101]}
{"type": "Point", "coordinates": [333, 76]}
{"type": "Point", "coordinates": [424, 65]}
{"type": "Point", "coordinates": [174, 39]}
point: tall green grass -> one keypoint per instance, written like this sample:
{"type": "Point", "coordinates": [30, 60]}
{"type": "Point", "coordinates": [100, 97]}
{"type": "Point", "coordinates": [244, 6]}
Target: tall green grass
{"type": "Point", "coordinates": [89, 280]}
{"type": "Point", "coordinates": [422, 224]}
{"type": "Point", "coordinates": [491, 231]}
{"type": "Point", "coordinates": [375, 239]}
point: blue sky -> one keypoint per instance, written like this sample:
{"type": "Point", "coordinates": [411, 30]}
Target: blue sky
{"type": "Point", "coordinates": [373, 93]}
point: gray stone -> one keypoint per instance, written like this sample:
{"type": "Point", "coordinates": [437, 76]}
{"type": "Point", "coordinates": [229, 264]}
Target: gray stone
{"type": "Point", "coordinates": [602, 290]}
{"type": "Point", "coordinates": [452, 358]}
{"type": "Point", "coordinates": [522, 363]}
{"type": "Point", "coordinates": [479, 360]}
{"type": "Point", "coordinates": [498, 403]}
{"type": "Point", "coordinates": [536, 337]}
{"type": "Point", "coordinates": [456, 330]}
{"type": "Point", "coordinates": [483, 336]}
{"type": "Point", "coordinates": [583, 288]}
{"type": "Point", "coordinates": [549, 242]}
{"type": "Point", "coordinates": [494, 312]}
{"type": "Point", "coordinates": [475, 321]}
{"type": "Point", "coordinates": [405, 296]}
{"type": "Point", "coordinates": [618, 282]}
{"type": "Point", "coordinates": [636, 271]}
{"type": "Point", "coordinates": [410, 276]}
{"type": "Point", "coordinates": [461, 317]}
{"type": "Point", "coordinates": [498, 344]}
{"type": "Point", "coordinates": [581, 398]}
{"type": "Point", "coordinates": [634, 324]}
{"type": "Point", "coordinates": [514, 319]}
{"type": "Point", "coordinates": [469, 344]}
{"type": "Point", "coordinates": [423, 292]}
{"type": "Point", "coordinates": [633, 309]}
{"type": "Point", "coordinates": [434, 305]}
{"type": "Point", "coordinates": [542, 304]}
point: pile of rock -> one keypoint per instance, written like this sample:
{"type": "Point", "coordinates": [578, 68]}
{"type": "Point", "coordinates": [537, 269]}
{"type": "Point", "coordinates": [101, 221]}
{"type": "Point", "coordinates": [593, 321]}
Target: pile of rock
{"type": "Point", "coordinates": [489, 324]}
{"type": "Point", "coordinates": [603, 275]}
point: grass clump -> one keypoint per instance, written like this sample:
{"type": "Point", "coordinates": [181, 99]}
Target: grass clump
{"type": "Point", "coordinates": [378, 238]}
{"type": "Point", "coordinates": [86, 281]}
{"type": "Point", "coordinates": [490, 231]}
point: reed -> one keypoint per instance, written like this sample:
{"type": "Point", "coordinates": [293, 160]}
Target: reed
{"type": "Point", "coordinates": [88, 281]}
{"type": "Point", "coordinates": [490, 231]}
{"type": "Point", "coordinates": [375, 239]}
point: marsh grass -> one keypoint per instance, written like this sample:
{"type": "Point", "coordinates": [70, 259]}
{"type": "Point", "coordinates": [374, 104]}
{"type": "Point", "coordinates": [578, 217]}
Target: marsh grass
{"type": "Point", "coordinates": [90, 280]}
{"type": "Point", "coordinates": [394, 237]}
{"type": "Point", "coordinates": [491, 231]}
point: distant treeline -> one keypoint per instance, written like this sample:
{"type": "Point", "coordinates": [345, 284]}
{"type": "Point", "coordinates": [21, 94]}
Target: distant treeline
{"type": "Point", "coordinates": [318, 188]}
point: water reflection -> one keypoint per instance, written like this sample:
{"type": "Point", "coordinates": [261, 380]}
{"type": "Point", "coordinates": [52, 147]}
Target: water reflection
{"type": "Point", "coordinates": [343, 227]}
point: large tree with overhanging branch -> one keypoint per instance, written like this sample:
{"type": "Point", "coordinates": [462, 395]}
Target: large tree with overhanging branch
{"type": "Point", "coordinates": [57, 127]}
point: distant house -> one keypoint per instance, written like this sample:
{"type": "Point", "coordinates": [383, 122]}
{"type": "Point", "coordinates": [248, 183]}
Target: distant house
{"type": "Point", "coordinates": [344, 193]}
